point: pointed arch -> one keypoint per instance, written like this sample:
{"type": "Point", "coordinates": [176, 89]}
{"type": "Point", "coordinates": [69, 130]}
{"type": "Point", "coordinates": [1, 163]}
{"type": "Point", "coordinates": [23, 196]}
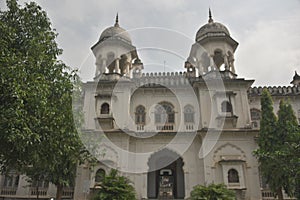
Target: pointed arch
{"type": "Point", "coordinates": [229, 149]}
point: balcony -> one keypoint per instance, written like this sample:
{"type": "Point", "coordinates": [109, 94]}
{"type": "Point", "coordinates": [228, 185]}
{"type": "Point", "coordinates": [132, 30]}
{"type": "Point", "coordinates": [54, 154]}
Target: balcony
{"type": "Point", "coordinates": [140, 127]}
{"type": "Point", "coordinates": [68, 192]}
{"type": "Point", "coordinates": [38, 192]}
{"type": "Point", "coordinates": [168, 127]}
{"type": "Point", "coordinates": [189, 126]}
{"type": "Point", "coordinates": [268, 195]}
{"type": "Point", "coordinates": [9, 191]}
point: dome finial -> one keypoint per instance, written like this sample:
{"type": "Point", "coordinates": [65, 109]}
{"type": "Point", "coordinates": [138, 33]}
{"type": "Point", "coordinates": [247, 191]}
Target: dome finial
{"type": "Point", "coordinates": [117, 20]}
{"type": "Point", "coordinates": [210, 20]}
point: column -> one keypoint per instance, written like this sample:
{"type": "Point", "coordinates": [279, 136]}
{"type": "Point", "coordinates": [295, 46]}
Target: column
{"type": "Point", "coordinates": [117, 65]}
{"type": "Point", "coordinates": [226, 62]}
{"type": "Point", "coordinates": [103, 67]}
{"type": "Point", "coordinates": [127, 69]}
{"type": "Point", "coordinates": [98, 69]}
{"type": "Point", "coordinates": [232, 66]}
{"type": "Point", "coordinates": [212, 63]}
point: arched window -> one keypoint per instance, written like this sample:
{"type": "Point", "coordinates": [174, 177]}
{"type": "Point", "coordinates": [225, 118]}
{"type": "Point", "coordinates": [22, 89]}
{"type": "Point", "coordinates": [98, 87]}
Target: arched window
{"type": "Point", "coordinates": [140, 115]}
{"type": "Point", "coordinates": [189, 114]}
{"type": "Point", "coordinates": [255, 117]}
{"type": "Point", "coordinates": [104, 108]}
{"type": "Point", "coordinates": [164, 113]}
{"type": "Point", "coordinates": [218, 58]}
{"type": "Point", "coordinates": [11, 180]}
{"type": "Point", "coordinates": [100, 174]}
{"type": "Point", "coordinates": [255, 114]}
{"type": "Point", "coordinates": [8, 181]}
{"type": "Point", "coordinates": [110, 57]}
{"type": "Point", "coordinates": [233, 176]}
{"type": "Point", "coordinates": [226, 107]}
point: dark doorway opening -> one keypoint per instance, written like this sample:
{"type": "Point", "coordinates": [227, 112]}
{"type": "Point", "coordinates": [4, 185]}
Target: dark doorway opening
{"type": "Point", "coordinates": [165, 176]}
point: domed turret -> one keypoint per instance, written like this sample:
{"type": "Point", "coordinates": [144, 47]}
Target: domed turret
{"type": "Point", "coordinates": [211, 29]}
{"type": "Point", "coordinates": [214, 50]}
{"type": "Point", "coordinates": [116, 32]}
{"type": "Point", "coordinates": [115, 53]}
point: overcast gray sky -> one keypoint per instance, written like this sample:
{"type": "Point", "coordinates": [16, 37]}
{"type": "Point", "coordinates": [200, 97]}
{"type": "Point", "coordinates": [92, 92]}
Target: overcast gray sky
{"type": "Point", "coordinates": [268, 32]}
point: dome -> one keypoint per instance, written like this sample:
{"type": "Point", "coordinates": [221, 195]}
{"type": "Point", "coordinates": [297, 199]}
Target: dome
{"type": "Point", "coordinates": [115, 31]}
{"type": "Point", "coordinates": [211, 27]}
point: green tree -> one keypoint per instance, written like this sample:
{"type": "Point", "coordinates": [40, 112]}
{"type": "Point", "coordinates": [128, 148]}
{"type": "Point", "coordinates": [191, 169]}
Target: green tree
{"type": "Point", "coordinates": [212, 192]}
{"type": "Point", "coordinates": [276, 141]}
{"type": "Point", "coordinates": [37, 132]}
{"type": "Point", "coordinates": [268, 143]}
{"type": "Point", "coordinates": [115, 187]}
{"type": "Point", "coordinates": [288, 149]}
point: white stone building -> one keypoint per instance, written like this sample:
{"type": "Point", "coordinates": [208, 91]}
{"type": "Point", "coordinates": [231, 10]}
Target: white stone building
{"type": "Point", "coordinates": [168, 132]}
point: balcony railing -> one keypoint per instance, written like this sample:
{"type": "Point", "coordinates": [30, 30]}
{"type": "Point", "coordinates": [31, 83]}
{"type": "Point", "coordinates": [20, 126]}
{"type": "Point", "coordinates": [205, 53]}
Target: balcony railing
{"type": "Point", "coordinates": [68, 192]}
{"type": "Point", "coordinates": [165, 127]}
{"type": "Point", "coordinates": [189, 126]}
{"type": "Point", "coordinates": [268, 195]}
{"type": "Point", "coordinates": [9, 191]}
{"type": "Point", "coordinates": [140, 127]}
{"type": "Point", "coordinates": [40, 191]}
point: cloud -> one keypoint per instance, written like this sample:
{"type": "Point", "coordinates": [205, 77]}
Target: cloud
{"type": "Point", "coordinates": [270, 52]}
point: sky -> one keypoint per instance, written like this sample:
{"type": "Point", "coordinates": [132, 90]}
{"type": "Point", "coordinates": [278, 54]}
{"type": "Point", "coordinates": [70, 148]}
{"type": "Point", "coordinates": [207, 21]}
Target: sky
{"type": "Point", "coordinates": [268, 32]}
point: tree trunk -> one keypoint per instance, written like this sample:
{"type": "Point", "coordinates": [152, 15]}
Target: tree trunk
{"type": "Point", "coordinates": [59, 191]}
{"type": "Point", "coordinates": [280, 194]}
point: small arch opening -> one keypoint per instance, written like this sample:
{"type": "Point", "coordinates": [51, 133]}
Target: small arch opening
{"type": "Point", "coordinates": [189, 114]}
{"type": "Point", "coordinates": [226, 107]}
{"type": "Point", "coordinates": [233, 176]}
{"type": "Point", "coordinates": [140, 115]}
{"type": "Point", "coordinates": [100, 174]}
{"type": "Point", "coordinates": [104, 108]}
{"type": "Point", "coordinates": [218, 58]}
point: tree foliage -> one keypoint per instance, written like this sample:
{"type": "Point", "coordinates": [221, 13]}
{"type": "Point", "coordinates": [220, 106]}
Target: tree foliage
{"type": "Point", "coordinates": [278, 152]}
{"type": "Point", "coordinates": [115, 187]}
{"type": "Point", "coordinates": [212, 192]}
{"type": "Point", "coordinates": [37, 132]}
{"type": "Point", "coordinates": [289, 148]}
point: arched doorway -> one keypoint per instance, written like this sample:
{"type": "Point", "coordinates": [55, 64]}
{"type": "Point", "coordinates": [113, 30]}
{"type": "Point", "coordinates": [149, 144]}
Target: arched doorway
{"type": "Point", "coordinates": [165, 178]}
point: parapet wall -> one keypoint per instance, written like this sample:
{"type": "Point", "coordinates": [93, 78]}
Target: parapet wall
{"type": "Point", "coordinates": [275, 90]}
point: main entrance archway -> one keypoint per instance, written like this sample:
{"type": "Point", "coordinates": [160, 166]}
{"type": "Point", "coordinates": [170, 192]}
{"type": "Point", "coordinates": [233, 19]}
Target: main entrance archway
{"type": "Point", "coordinates": [165, 179]}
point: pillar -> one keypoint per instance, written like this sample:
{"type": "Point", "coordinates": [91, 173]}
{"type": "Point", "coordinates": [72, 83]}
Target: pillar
{"type": "Point", "coordinates": [212, 63]}
{"type": "Point", "coordinates": [117, 65]}
{"type": "Point", "coordinates": [226, 62]}
{"type": "Point", "coordinates": [103, 67]}
{"type": "Point", "coordinates": [127, 69]}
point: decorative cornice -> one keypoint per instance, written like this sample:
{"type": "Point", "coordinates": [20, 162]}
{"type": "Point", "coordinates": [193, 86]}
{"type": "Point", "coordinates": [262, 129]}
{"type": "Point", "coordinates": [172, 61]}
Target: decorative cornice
{"type": "Point", "coordinates": [275, 90]}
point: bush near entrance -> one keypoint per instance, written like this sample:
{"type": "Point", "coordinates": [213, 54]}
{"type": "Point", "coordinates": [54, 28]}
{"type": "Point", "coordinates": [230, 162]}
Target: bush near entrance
{"type": "Point", "coordinates": [212, 192]}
